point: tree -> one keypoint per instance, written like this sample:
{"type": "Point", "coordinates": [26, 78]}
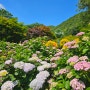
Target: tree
{"type": "Point", "coordinates": [84, 4]}
{"type": "Point", "coordinates": [5, 13]}
{"type": "Point", "coordinates": [11, 30]}
{"type": "Point", "coordinates": [40, 30]}
{"type": "Point", "coordinates": [34, 25]}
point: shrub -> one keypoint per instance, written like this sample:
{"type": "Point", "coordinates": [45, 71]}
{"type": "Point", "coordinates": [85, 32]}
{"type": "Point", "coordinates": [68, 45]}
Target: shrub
{"type": "Point", "coordinates": [39, 31]}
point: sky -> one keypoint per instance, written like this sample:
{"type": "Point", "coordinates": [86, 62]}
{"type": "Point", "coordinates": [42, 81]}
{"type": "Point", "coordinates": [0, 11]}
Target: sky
{"type": "Point", "coordinates": [47, 12]}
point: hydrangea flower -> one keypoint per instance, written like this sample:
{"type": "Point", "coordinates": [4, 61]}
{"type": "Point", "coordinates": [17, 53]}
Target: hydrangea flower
{"type": "Point", "coordinates": [19, 65]}
{"type": "Point", "coordinates": [73, 59]}
{"type": "Point", "coordinates": [43, 62]}
{"type": "Point", "coordinates": [44, 66]}
{"type": "Point", "coordinates": [80, 33]}
{"type": "Point", "coordinates": [35, 59]}
{"type": "Point", "coordinates": [3, 73]}
{"type": "Point", "coordinates": [43, 75]}
{"type": "Point", "coordinates": [83, 58]}
{"type": "Point", "coordinates": [8, 62]}
{"type": "Point", "coordinates": [40, 68]}
{"type": "Point", "coordinates": [63, 71]}
{"type": "Point", "coordinates": [53, 65]}
{"type": "Point", "coordinates": [24, 66]}
{"type": "Point", "coordinates": [28, 67]}
{"type": "Point", "coordinates": [59, 53]}
{"type": "Point", "coordinates": [71, 44]}
{"type": "Point", "coordinates": [38, 82]}
{"type": "Point", "coordinates": [82, 65]}
{"type": "Point", "coordinates": [54, 58]}
{"type": "Point", "coordinates": [77, 85]}
{"type": "Point", "coordinates": [85, 38]}
{"type": "Point", "coordinates": [69, 75]}
{"type": "Point", "coordinates": [37, 52]}
{"type": "Point", "coordinates": [8, 85]}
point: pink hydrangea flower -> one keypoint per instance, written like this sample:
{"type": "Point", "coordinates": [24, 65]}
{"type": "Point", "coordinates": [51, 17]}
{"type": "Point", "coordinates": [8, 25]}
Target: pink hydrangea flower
{"type": "Point", "coordinates": [54, 58]}
{"type": "Point", "coordinates": [71, 44]}
{"type": "Point", "coordinates": [73, 59]}
{"type": "Point", "coordinates": [63, 71]}
{"type": "Point", "coordinates": [53, 65]}
{"type": "Point", "coordinates": [80, 33]}
{"type": "Point", "coordinates": [59, 53]}
{"type": "Point", "coordinates": [82, 65]}
{"type": "Point", "coordinates": [77, 85]}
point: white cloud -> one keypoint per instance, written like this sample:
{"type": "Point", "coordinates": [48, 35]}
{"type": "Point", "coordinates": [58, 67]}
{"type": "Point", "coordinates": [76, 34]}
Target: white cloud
{"type": "Point", "coordinates": [1, 6]}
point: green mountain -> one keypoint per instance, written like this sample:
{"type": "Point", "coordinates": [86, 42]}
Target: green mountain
{"type": "Point", "coordinates": [72, 25]}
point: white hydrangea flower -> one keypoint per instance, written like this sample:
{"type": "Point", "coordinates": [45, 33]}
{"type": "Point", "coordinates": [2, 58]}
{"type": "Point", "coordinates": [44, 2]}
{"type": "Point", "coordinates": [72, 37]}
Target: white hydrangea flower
{"type": "Point", "coordinates": [48, 65]}
{"type": "Point", "coordinates": [40, 68]}
{"type": "Point", "coordinates": [36, 84]}
{"type": "Point", "coordinates": [8, 62]}
{"type": "Point", "coordinates": [33, 58]}
{"type": "Point", "coordinates": [43, 75]}
{"type": "Point", "coordinates": [37, 52]}
{"type": "Point", "coordinates": [19, 65]}
{"type": "Point", "coordinates": [43, 62]}
{"type": "Point", "coordinates": [28, 67]}
{"type": "Point", "coordinates": [8, 85]}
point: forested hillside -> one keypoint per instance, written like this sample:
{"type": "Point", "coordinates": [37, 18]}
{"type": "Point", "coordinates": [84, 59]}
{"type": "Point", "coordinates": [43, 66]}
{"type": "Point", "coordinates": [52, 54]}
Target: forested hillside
{"type": "Point", "coordinates": [73, 25]}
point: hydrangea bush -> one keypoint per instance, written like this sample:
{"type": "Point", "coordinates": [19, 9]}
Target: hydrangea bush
{"type": "Point", "coordinates": [33, 65]}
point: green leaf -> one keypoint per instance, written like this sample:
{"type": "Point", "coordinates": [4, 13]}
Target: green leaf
{"type": "Point", "coordinates": [12, 77]}
{"type": "Point", "coordinates": [88, 88]}
{"type": "Point", "coordinates": [16, 73]}
{"type": "Point", "coordinates": [77, 76]}
{"type": "Point", "coordinates": [60, 85]}
{"type": "Point", "coordinates": [67, 85]}
{"type": "Point", "coordinates": [84, 51]}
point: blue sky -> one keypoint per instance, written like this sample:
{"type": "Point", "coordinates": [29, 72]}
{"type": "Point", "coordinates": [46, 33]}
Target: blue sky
{"type": "Point", "coordinates": [48, 12]}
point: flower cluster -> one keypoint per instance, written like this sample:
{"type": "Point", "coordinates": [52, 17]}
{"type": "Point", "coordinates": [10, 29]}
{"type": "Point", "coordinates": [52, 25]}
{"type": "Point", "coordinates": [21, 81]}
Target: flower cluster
{"type": "Point", "coordinates": [85, 38]}
{"type": "Point", "coordinates": [59, 53]}
{"type": "Point", "coordinates": [51, 43]}
{"type": "Point", "coordinates": [63, 41]}
{"type": "Point", "coordinates": [38, 82]}
{"type": "Point", "coordinates": [83, 58]}
{"type": "Point", "coordinates": [8, 85]}
{"type": "Point", "coordinates": [28, 67]}
{"type": "Point", "coordinates": [80, 33]}
{"type": "Point", "coordinates": [55, 58]}
{"type": "Point", "coordinates": [73, 59]}
{"type": "Point", "coordinates": [71, 44]}
{"type": "Point", "coordinates": [25, 66]}
{"type": "Point", "coordinates": [19, 65]}
{"type": "Point", "coordinates": [35, 58]}
{"type": "Point", "coordinates": [44, 66]}
{"type": "Point", "coordinates": [82, 65]}
{"type": "Point", "coordinates": [69, 75]}
{"type": "Point", "coordinates": [7, 62]}
{"type": "Point", "coordinates": [3, 73]}
{"type": "Point", "coordinates": [77, 85]}
{"type": "Point", "coordinates": [63, 71]}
